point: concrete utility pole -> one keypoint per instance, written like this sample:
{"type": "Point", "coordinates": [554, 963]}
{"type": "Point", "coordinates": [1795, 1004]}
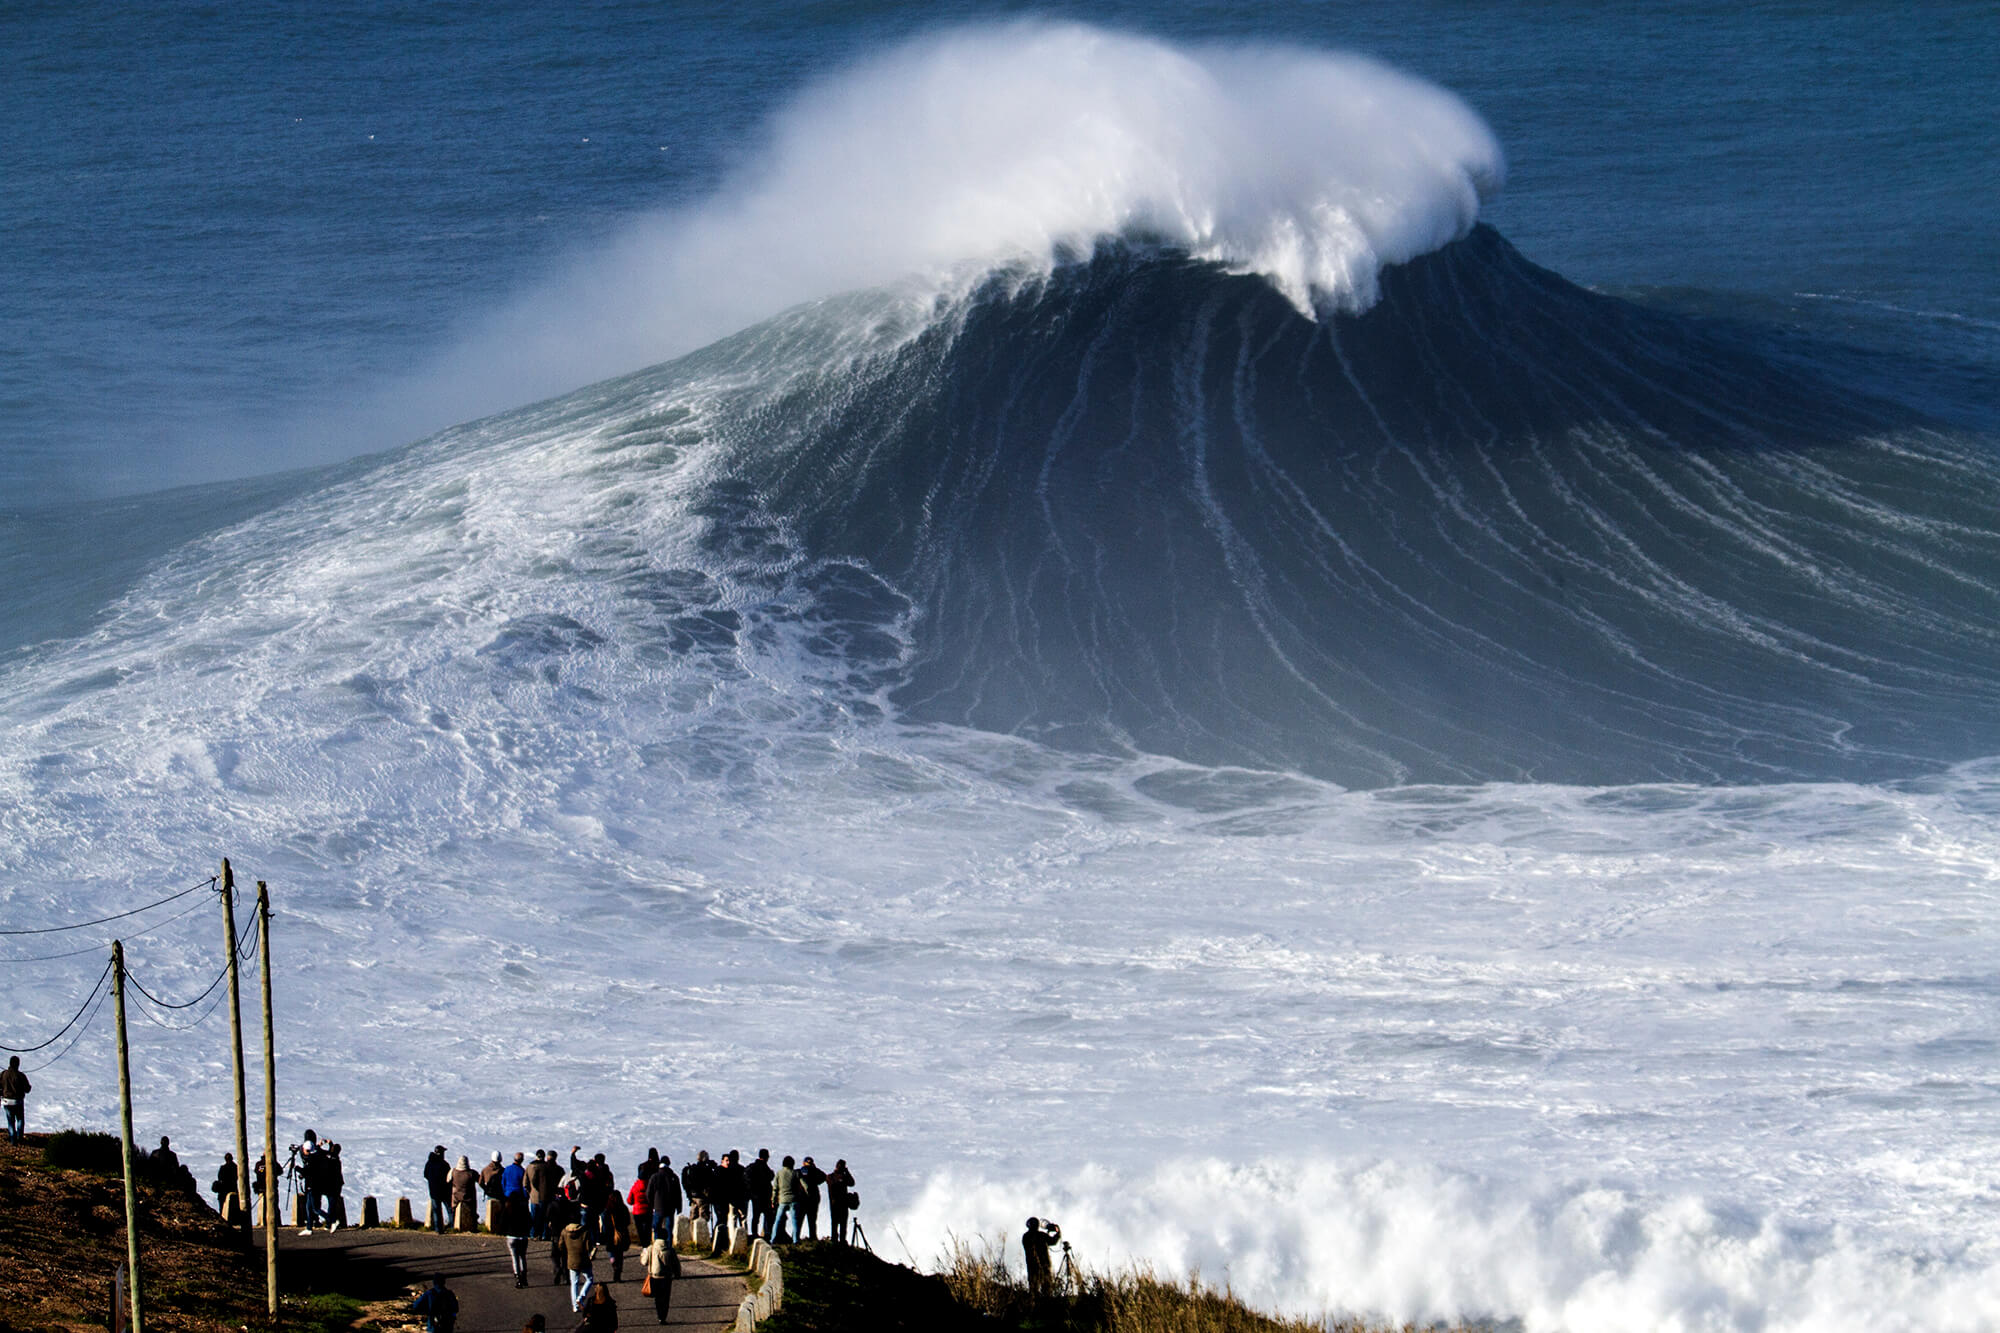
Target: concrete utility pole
{"type": "Point", "coordinates": [125, 1125]}
{"type": "Point", "coordinates": [236, 1050]}
{"type": "Point", "coordinates": [270, 1110]}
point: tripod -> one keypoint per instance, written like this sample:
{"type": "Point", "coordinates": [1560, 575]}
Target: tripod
{"type": "Point", "coordinates": [1068, 1282]}
{"type": "Point", "coordinates": [856, 1236]}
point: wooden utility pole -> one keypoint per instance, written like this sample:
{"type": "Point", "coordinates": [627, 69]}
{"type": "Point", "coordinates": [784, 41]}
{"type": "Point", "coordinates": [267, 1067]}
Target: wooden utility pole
{"type": "Point", "coordinates": [270, 1109]}
{"type": "Point", "coordinates": [243, 1201]}
{"type": "Point", "coordinates": [125, 1125]}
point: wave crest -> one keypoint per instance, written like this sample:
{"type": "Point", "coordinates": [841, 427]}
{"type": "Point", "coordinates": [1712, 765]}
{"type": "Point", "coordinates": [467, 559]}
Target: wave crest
{"type": "Point", "coordinates": [1019, 145]}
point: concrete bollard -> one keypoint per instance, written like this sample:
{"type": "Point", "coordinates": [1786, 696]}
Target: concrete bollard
{"type": "Point", "coordinates": [746, 1315]}
{"type": "Point", "coordinates": [494, 1216]}
{"type": "Point", "coordinates": [371, 1214]}
{"type": "Point", "coordinates": [298, 1210]}
{"type": "Point", "coordinates": [232, 1212]}
{"type": "Point", "coordinates": [463, 1218]}
{"type": "Point", "coordinates": [703, 1237]}
{"type": "Point", "coordinates": [758, 1245]}
{"type": "Point", "coordinates": [683, 1232]}
{"type": "Point", "coordinates": [739, 1243]}
{"type": "Point", "coordinates": [404, 1217]}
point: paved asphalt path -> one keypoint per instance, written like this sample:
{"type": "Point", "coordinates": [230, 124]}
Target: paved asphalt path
{"type": "Point", "coordinates": [382, 1265]}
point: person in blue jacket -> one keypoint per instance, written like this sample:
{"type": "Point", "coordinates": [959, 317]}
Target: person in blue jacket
{"type": "Point", "coordinates": [438, 1306]}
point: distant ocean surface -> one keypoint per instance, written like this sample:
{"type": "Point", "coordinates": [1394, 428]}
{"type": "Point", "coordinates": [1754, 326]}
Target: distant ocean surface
{"type": "Point", "coordinates": [1355, 646]}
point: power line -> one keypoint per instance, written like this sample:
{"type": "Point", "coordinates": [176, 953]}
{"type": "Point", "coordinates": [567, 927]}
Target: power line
{"type": "Point", "coordinates": [78, 953]}
{"type": "Point", "coordinates": [103, 994]}
{"type": "Point", "coordinates": [23, 1050]}
{"type": "Point", "coordinates": [169, 1004]}
{"type": "Point", "coordinates": [117, 916]}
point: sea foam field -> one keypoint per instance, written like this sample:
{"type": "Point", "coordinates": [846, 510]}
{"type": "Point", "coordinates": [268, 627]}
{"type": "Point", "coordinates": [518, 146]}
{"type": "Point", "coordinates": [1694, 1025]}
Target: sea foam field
{"type": "Point", "coordinates": [1108, 649]}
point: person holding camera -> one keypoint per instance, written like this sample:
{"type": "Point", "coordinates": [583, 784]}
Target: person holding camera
{"type": "Point", "coordinates": [1035, 1250]}
{"type": "Point", "coordinates": [840, 1198]}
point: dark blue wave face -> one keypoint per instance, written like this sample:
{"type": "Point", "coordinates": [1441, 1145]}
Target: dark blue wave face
{"type": "Point", "coordinates": [1497, 527]}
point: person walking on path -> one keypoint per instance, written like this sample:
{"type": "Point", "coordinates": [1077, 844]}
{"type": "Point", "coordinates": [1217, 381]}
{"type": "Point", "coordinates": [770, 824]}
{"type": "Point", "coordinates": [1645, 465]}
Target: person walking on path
{"type": "Point", "coordinates": [14, 1090]}
{"type": "Point", "coordinates": [437, 1175]}
{"type": "Point", "coordinates": [438, 1306]}
{"type": "Point", "coordinates": [465, 1193]}
{"type": "Point", "coordinates": [576, 1247]}
{"type": "Point", "coordinates": [757, 1176]}
{"type": "Point", "coordinates": [600, 1312]}
{"type": "Point", "coordinates": [560, 1214]}
{"type": "Point", "coordinates": [662, 1266]}
{"type": "Point", "coordinates": [840, 1197]}
{"type": "Point", "coordinates": [642, 1216]}
{"type": "Point", "coordinates": [514, 1225]}
{"type": "Point", "coordinates": [617, 1234]}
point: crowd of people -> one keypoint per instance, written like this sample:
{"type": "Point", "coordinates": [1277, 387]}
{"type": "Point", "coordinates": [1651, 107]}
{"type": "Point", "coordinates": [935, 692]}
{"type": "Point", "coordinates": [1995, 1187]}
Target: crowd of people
{"type": "Point", "coordinates": [579, 1210]}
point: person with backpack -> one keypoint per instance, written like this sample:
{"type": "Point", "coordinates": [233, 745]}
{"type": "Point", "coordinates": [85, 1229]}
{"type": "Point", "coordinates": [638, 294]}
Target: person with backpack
{"type": "Point", "coordinates": [663, 1199]}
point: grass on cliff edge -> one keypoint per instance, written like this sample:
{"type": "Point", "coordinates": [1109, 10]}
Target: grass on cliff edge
{"type": "Point", "coordinates": [62, 1232]}
{"type": "Point", "coordinates": [833, 1288]}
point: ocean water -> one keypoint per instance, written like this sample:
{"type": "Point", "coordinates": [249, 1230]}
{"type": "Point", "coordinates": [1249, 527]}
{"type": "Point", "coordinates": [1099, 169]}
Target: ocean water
{"type": "Point", "coordinates": [1350, 646]}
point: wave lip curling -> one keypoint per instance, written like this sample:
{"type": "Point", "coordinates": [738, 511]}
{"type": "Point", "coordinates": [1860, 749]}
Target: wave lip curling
{"type": "Point", "coordinates": [994, 145]}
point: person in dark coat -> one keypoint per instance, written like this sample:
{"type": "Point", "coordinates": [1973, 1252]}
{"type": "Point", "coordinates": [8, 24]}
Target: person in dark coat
{"type": "Point", "coordinates": [561, 1212]}
{"type": "Point", "coordinates": [465, 1190]}
{"type": "Point", "coordinates": [1035, 1252]}
{"type": "Point", "coordinates": [14, 1090]}
{"type": "Point", "coordinates": [437, 1175]}
{"type": "Point", "coordinates": [514, 1225]}
{"type": "Point", "coordinates": [224, 1183]}
{"type": "Point", "coordinates": [663, 1199]}
{"type": "Point", "coordinates": [617, 1234]}
{"type": "Point", "coordinates": [757, 1176]}
{"type": "Point", "coordinates": [544, 1188]}
{"type": "Point", "coordinates": [812, 1178]}
{"type": "Point", "coordinates": [839, 1191]}
{"type": "Point", "coordinates": [695, 1178]}
{"type": "Point", "coordinates": [439, 1307]}
{"type": "Point", "coordinates": [600, 1312]}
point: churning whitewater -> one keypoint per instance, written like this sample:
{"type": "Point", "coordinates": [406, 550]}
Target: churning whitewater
{"type": "Point", "coordinates": [1139, 666]}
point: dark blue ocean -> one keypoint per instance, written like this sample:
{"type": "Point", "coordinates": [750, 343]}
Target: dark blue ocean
{"type": "Point", "coordinates": [1348, 644]}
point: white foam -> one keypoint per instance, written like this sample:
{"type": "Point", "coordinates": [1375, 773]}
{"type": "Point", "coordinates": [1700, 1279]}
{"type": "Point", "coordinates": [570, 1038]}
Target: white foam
{"type": "Point", "coordinates": [1017, 145]}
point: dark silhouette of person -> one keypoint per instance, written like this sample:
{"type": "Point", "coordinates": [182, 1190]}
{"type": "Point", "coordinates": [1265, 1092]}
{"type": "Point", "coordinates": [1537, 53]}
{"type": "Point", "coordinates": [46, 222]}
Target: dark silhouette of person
{"type": "Point", "coordinates": [439, 1307]}
{"type": "Point", "coordinates": [1035, 1248]}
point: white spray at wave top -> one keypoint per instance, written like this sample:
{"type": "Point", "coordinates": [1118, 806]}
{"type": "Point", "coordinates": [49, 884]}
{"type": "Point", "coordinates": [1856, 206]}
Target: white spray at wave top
{"type": "Point", "coordinates": [1014, 146]}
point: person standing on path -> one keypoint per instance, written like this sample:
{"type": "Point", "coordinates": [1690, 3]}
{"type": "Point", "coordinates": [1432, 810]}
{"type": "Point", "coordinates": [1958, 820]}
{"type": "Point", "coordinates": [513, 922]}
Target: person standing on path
{"type": "Point", "coordinates": [663, 1199]}
{"type": "Point", "coordinates": [465, 1193]}
{"type": "Point", "coordinates": [438, 1306]}
{"type": "Point", "coordinates": [544, 1185]}
{"type": "Point", "coordinates": [662, 1266]}
{"type": "Point", "coordinates": [437, 1175]}
{"type": "Point", "coordinates": [840, 1197]}
{"type": "Point", "coordinates": [14, 1090]}
{"type": "Point", "coordinates": [576, 1246]}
